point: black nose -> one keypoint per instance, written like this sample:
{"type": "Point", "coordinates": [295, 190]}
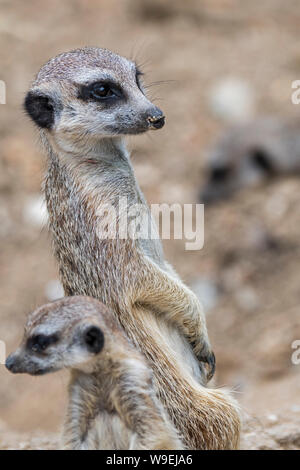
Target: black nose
{"type": "Point", "coordinates": [10, 363]}
{"type": "Point", "coordinates": [156, 119]}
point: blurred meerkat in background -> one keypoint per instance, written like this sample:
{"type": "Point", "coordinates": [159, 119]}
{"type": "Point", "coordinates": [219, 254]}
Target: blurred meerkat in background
{"type": "Point", "coordinates": [249, 154]}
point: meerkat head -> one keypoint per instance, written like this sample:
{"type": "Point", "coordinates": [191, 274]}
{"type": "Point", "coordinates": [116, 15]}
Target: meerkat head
{"type": "Point", "coordinates": [88, 94]}
{"type": "Point", "coordinates": [238, 160]}
{"type": "Point", "coordinates": [68, 333]}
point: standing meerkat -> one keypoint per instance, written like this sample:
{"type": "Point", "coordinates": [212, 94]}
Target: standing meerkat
{"type": "Point", "coordinates": [112, 403]}
{"type": "Point", "coordinates": [85, 102]}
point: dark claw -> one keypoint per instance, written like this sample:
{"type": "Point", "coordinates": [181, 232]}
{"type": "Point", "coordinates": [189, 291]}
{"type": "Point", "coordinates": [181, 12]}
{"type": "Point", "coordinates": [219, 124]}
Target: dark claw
{"type": "Point", "coordinates": [210, 360]}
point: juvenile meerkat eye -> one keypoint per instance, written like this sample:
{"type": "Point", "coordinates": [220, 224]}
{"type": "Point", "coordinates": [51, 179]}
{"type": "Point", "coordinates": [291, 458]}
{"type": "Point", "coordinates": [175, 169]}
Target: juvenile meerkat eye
{"type": "Point", "coordinates": [40, 343]}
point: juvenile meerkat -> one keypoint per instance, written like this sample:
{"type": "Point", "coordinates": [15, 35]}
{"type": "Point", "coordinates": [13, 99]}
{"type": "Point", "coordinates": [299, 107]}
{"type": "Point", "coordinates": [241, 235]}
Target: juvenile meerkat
{"type": "Point", "coordinates": [112, 403]}
{"type": "Point", "coordinates": [249, 154]}
{"type": "Point", "coordinates": [84, 103]}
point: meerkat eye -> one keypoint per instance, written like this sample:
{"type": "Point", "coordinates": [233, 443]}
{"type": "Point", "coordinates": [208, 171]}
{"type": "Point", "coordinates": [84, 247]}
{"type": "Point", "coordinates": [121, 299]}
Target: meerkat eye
{"type": "Point", "coordinates": [40, 343]}
{"type": "Point", "coordinates": [100, 91]}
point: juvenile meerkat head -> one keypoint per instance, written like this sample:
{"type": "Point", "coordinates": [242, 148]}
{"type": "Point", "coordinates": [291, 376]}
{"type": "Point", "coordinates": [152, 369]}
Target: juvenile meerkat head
{"type": "Point", "coordinates": [67, 333]}
{"type": "Point", "coordinates": [88, 94]}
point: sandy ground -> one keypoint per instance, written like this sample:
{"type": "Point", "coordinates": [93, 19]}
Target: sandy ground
{"type": "Point", "coordinates": [248, 271]}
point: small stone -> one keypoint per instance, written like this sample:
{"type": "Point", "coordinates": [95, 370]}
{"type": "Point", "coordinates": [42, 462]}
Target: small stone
{"type": "Point", "coordinates": [35, 211]}
{"type": "Point", "coordinates": [272, 418]}
{"type": "Point", "coordinates": [232, 99]}
{"type": "Point", "coordinates": [54, 290]}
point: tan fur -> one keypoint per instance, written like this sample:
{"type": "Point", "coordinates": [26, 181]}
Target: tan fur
{"type": "Point", "coordinates": [89, 166]}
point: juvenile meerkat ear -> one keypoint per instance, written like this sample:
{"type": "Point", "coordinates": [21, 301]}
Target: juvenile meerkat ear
{"type": "Point", "coordinates": [40, 108]}
{"type": "Point", "coordinates": [93, 339]}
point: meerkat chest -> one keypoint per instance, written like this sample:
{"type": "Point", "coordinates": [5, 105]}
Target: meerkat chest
{"type": "Point", "coordinates": [102, 427]}
{"type": "Point", "coordinates": [109, 432]}
{"type": "Point", "coordinates": [95, 247]}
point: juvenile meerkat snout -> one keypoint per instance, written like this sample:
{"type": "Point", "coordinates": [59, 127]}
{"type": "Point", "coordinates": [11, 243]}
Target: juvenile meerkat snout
{"type": "Point", "coordinates": [13, 363]}
{"type": "Point", "coordinates": [28, 357]}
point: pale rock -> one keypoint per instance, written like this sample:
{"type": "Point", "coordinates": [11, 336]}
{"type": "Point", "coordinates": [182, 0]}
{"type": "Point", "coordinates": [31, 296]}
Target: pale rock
{"type": "Point", "coordinates": [54, 290]}
{"type": "Point", "coordinates": [35, 211]}
{"type": "Point", "coordinates": [232, 99]}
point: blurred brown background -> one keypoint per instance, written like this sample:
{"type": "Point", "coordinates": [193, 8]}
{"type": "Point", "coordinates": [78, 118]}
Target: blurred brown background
{"type": "Point", "coordinates": [251, 289]}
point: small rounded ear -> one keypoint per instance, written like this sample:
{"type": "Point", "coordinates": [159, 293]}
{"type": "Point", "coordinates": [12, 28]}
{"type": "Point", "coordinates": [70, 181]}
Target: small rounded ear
{"type": "Point", "coordinates": [40, 108]}
{"type": "Point", "coordinates": [93, 339]}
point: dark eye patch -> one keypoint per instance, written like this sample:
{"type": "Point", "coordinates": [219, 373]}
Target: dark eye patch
{"type": "Point", "coordinates": [40, 343]}
{"type": "Point", "coordinates": [219, 174]}
{"type": "Point", "coordinates": [100, 91]}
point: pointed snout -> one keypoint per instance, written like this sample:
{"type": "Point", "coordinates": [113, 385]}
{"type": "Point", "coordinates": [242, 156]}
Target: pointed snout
{"type": "Point", "coordinates": [13, 364]}
{"type": "Point", "coordinates": [20, 363]}
{"type": "Point", "coordinates": [155, 118]}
